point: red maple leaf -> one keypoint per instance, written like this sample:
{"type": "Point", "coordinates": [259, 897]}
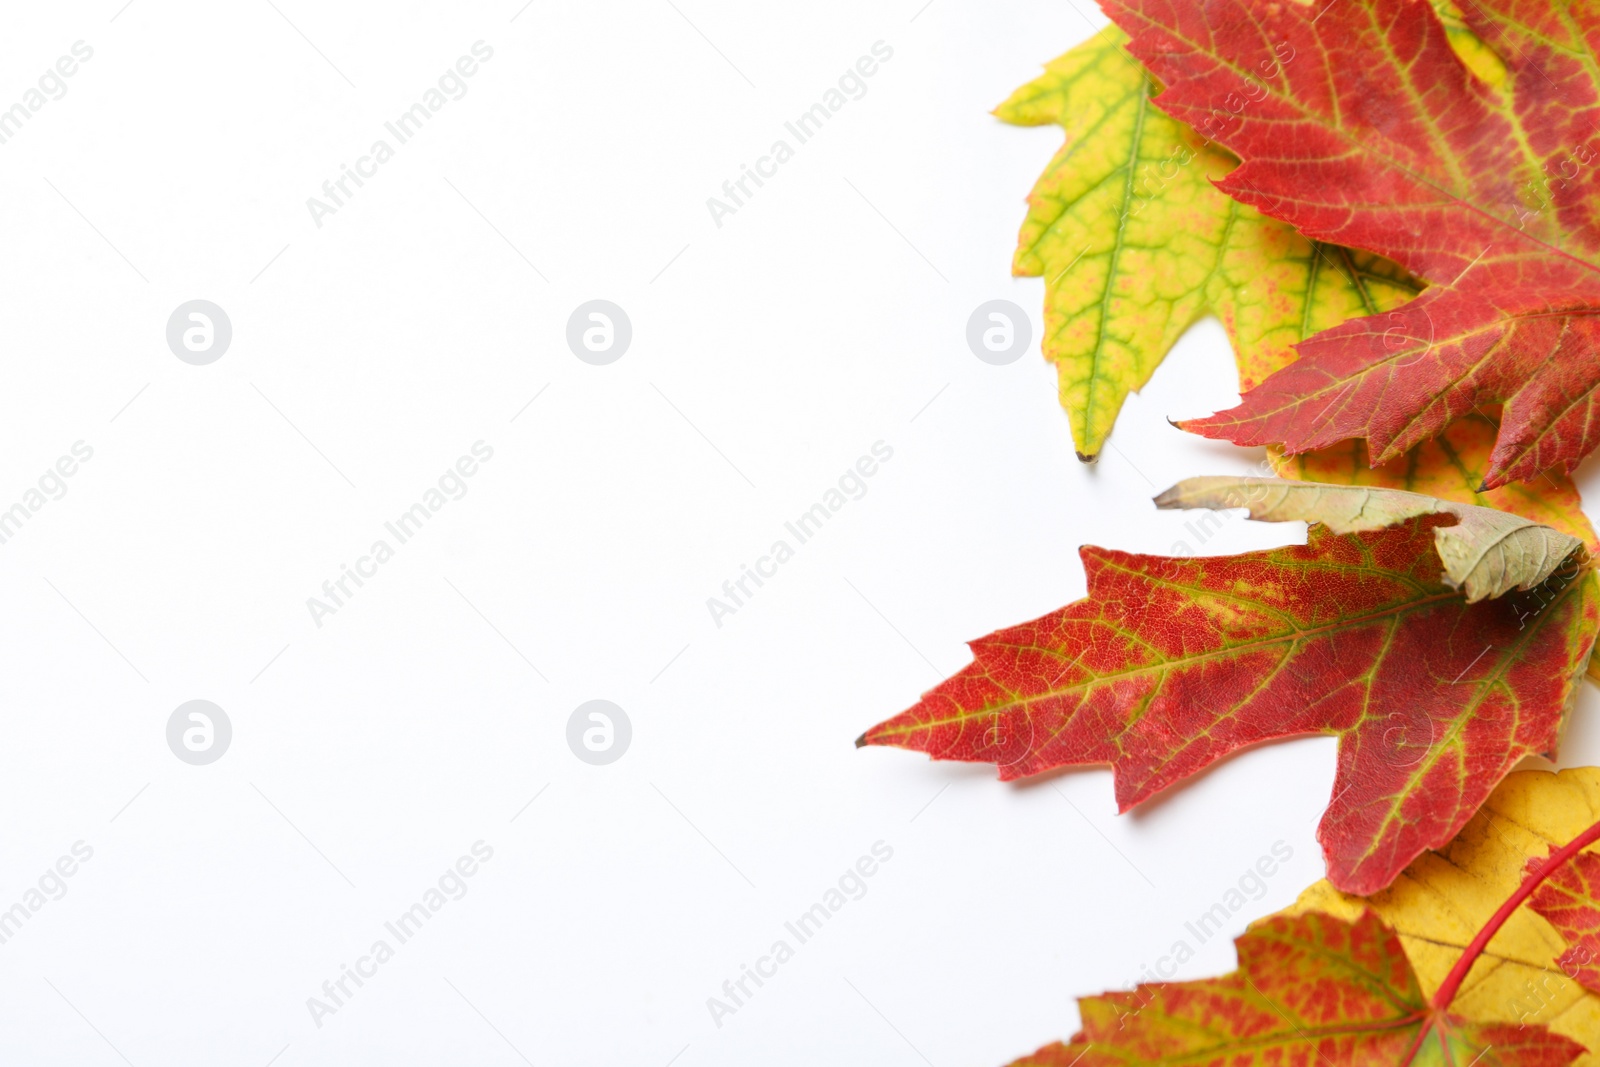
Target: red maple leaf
{"type": "Point", "coordinates": [1168, 665]}
{"type": "Point", "coordinates": [1570, 901]}
{"type": "Point", "coordinates": [1356, 123]}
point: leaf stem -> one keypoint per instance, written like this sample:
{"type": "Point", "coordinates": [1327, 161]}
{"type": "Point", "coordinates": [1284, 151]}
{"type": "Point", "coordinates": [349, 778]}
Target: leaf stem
{"type": "Point", "coordinates": [1458, 973]}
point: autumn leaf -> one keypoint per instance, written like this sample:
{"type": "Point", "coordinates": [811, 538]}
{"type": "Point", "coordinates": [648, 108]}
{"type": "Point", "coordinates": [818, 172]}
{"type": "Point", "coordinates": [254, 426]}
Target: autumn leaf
{"type": "Point", "coordinates": [1445, 898]}
{"type": "Point", "coordinates": [1356, 123]}
{"type": "Point", "coordinates": [1310, 989]}
{"type": "Point", "coordinates": [1135, 244]}
{"type": "Point", "coordinates": [1570, 902]}
{"type": "Point", "coordinates": [1452, 466]}
{"type": "Point", "coordinates": [1169, 664]}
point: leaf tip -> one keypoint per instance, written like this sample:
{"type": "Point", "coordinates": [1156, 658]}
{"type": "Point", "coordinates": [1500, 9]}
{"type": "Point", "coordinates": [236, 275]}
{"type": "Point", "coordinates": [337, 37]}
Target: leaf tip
{"type": "Point", "coordinates": [862, 742]}
{"type": "Point", "coordinates": [1091, 457]}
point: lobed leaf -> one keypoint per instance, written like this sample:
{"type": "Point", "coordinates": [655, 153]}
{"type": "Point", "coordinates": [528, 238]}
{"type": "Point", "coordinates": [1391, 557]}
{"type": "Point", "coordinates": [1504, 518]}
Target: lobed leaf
{"type": "Point", "coordinates": [1169, 664]}
{"type": "Point", "coordinates": [1358, 124]}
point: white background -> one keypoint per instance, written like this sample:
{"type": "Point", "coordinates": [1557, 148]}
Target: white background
{"type": "Point", "coordinates": [768, 355]}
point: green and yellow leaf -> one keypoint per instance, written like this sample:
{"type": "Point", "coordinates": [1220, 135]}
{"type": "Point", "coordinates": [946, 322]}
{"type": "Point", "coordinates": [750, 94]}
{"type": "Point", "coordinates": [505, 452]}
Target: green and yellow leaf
{"type": "Point", "coordinates": [1135, 244]}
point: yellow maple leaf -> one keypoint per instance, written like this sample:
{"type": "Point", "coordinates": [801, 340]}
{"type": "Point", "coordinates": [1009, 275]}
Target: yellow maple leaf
{"type": "Point", "coordinates": [1444, 898]}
